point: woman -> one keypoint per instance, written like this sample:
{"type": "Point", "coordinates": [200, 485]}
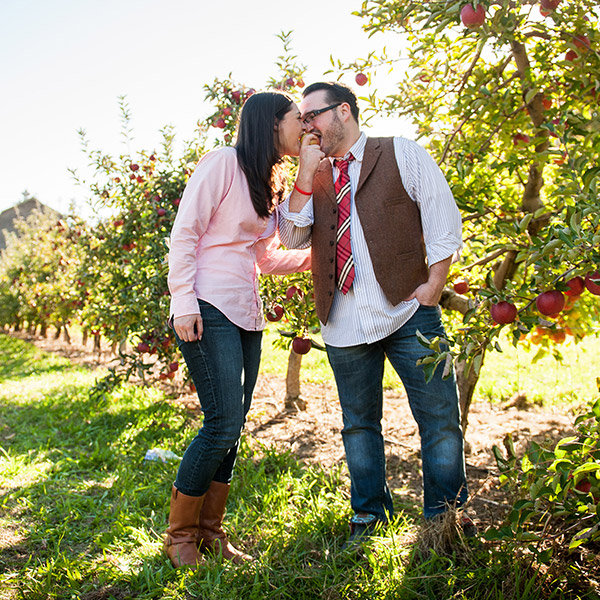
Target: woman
{"type": "Point", "coordinates": [225, 227]}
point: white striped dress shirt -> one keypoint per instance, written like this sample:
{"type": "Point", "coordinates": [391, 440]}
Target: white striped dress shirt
{"type": "Point", "coordinates": [364, 314]}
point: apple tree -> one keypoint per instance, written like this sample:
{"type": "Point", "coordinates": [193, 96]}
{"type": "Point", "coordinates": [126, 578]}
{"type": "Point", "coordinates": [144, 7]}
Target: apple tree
{"type": "Point", "coordinates": [505, 96]}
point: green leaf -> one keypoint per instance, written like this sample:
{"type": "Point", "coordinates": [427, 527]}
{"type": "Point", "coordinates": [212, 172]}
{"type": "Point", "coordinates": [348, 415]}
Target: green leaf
{"type": "Point", "coordinates": [587, 467]}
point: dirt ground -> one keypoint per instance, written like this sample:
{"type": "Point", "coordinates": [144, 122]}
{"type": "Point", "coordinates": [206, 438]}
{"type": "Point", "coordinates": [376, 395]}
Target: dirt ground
{"type": "Point", "coordinates": [313, 435]}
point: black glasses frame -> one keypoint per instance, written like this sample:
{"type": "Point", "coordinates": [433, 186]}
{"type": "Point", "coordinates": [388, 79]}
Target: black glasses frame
{"type": "Point", "coordinates": [315, 113]}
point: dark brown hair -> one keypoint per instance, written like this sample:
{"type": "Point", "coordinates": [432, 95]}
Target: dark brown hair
{"type": "Point", "coordinates": [256, 151]}
{"type": "Point", "coordinates": [336, 92]}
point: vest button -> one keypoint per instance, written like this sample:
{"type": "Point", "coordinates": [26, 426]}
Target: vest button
{"type": "Point", "coordinates": [331, 242]}
{"type": "Point", "coordinates": [334, 211]}
{"type": "Point", "coordinates": [331, 260]}
{"type": "Point", "coordinates": [333, 227]}
{"type": "Point", "coordinates": [330, 275]}
{"type": "Point", "coordinates": [331, 293]}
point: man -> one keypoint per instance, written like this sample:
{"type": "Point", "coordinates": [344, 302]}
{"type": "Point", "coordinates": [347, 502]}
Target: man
{"type": "Point", "coordinates": [383, 237]}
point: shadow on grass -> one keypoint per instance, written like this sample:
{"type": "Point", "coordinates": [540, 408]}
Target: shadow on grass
{"type": "Point", "coordinates": [20, 359]}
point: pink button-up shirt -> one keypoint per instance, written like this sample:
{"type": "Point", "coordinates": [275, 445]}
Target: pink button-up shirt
{"type": "Point", "coordinates": [219, 245]}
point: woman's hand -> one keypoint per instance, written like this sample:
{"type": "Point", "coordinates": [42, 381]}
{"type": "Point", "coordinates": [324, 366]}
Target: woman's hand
{"type": "Point", "coordinates": [189, 328]}
{"type": "Point", "coordinates": [310, 158]}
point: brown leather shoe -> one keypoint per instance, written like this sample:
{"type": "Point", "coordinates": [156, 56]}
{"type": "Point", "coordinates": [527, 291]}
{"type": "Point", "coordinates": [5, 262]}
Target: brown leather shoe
{"type": "Point", "coordinates": [181, 541]}
{"type": "Point", "coordinates": [211, 536]}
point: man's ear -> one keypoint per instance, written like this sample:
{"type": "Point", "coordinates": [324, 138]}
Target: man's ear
{"type": "Point", "coordinates": [346, 111]}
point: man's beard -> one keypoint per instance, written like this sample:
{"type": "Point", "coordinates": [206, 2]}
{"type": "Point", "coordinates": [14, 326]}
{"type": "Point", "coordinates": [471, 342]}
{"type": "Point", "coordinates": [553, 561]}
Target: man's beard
{"type": "Point", "coordinates": [333, 137]}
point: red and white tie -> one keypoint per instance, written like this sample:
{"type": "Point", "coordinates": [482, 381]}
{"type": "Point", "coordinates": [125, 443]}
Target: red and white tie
{"type": "Point", "coordinates": [344, 260]}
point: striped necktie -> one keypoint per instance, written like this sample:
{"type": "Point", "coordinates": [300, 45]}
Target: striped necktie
{"type": "Point", "coordinates": [344, 260]}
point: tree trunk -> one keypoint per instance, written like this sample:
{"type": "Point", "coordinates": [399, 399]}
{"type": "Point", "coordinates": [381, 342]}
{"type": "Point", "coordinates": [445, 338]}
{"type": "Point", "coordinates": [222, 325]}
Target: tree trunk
{"type": "Point", "coordinates": [466, 384]}
{"type": "Point", "coordinates": [97, 346]}
{"type": "Point", "coordinates": [293, 401]}
{"type": "Point", "coordinates": [44, 330]}
{"type": "Point", "coordinates": [58, 330]}
{"type": "Point", "coordinates": [466, 387]}
{"type": "Point", "coordinates": [84, 337]}
{"type": "Point", "coordinates": [66, 335]}
{"type": "Point", "coordinates": [113, 347]}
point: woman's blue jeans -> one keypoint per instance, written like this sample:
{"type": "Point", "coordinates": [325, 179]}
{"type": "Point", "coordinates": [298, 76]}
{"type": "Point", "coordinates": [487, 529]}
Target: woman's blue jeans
{"type": "Point", "coordinates": [224, 367]}
{"type": "Point", "coordinates": [358, 373]}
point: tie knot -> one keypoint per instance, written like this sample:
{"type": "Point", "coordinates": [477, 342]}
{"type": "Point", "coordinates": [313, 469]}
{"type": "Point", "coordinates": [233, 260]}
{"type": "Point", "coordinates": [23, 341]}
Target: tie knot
{"type": "Point", "coordinates": [342, 163]}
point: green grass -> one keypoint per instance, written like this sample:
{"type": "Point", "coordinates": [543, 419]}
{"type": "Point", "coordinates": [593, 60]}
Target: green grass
{"type": "Point", "coordinates": [82, 514]}
{"type": "Point", "coordinates": [547, 381]}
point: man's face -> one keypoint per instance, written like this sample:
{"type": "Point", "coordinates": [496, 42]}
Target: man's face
{"type": "Point", "coordinates": [327, 125]}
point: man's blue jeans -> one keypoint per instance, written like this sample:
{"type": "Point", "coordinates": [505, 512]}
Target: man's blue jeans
{"type": "Point", "coordinates": [358, 373]}
{"type": "Point", "coordinates": [224, 366]}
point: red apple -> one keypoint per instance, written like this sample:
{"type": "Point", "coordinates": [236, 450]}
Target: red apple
{"type": "Point", "coordinates": [461, 287]}
{"type": "Point", "coordinates": [592, 283]}
{"type": "Point", "coordinates": [118, 222]}
{"type": "Point", "coordinates": [275, 313]}
{"type": "Point", "coordinates": [549, 4]}
{"type": "Point", "coordinates": [584, 486]}
{"type": "Point", "coordinates": [220, 123]}
{"type": "Point", "coordinates": [301, 345]}
{"type": "Point", "coordinates": [582, 41]}
{"type": "Point", "coordinates": [174, 366]}
{"type": "Point", "coordinates": [361, 79]}
{"type": "Point", "coordinates": [176, 201]}
{"type": "Point", "coordinates": [503, 312]}
{"type": "Point", "coordinates": [472, 17]}
{"type": "Point", "coordinates": [576, 287]}
{"type": "Point", "coordinates": [142, 347]}
{"type": "Point", "coordinates": [161, 212]}
{"type": "Point", "coordinates": [571, 55]}
{"type": "Point", "coordinates": [134, 167]}
{"type": "Point", "coordinates": [520, 137]}
{"type": "Point", "coordinates": [550, 302]}
{"type": "Point", "coordinates": [292, 291]}
{"type": "Point", "coordinates": [300, 83]}
{"type": "Point", "coordinates": [236, 95]}
{"type": "Point", "coordinates": [250, 92]}
{"type": "Point", "coordinates": [547, 103]}
{"type": "Point", "coordinates": [289, 82]}
{"type": "Point", "coordinates": [227, 111]}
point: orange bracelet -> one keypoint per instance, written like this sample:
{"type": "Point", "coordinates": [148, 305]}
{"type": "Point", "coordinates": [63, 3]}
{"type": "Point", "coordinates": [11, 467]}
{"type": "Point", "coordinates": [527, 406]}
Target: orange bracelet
{"type": "Point", "coordinates": [302, 191]}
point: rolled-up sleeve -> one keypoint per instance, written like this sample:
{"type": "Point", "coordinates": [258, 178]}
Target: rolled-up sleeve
{"type": "Point", "coordinates": [295, 228]}
{"type": "Point", "coordinates": [427, 186]}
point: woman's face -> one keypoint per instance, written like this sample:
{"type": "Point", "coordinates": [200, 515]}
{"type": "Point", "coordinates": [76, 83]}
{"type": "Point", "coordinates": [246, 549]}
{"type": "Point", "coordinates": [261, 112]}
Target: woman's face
{"type": "Point", "coordinates": [288, 132]}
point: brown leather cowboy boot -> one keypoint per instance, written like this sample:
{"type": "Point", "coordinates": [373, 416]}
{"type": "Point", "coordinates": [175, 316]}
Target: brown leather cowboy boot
{"type": "Point", "coordinates": [211, 537]}
{"type": "Point", "coordinates": [181, 544]}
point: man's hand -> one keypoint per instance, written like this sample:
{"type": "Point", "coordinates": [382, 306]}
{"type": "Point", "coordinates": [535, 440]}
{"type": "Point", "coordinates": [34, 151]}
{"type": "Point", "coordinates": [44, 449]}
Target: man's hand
{"type": "Point", "coordinates": [429, 293]}
{"type": "Point", "coordinates": [189, 328]}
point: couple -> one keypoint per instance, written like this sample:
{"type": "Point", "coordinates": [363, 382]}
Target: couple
{"type": "Point", "coordinates": [383, 227]}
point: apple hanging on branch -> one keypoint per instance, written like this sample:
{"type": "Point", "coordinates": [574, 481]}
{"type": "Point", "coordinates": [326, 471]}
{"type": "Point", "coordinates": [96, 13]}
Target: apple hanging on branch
{"type": "Point", "coordinates": [503, 312]}
{"type": "Point", "coordinates": [472, 17]}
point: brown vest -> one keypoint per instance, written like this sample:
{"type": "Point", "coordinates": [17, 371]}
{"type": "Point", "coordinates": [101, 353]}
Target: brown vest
{"type": "Point", "coordinates": [391, 222]}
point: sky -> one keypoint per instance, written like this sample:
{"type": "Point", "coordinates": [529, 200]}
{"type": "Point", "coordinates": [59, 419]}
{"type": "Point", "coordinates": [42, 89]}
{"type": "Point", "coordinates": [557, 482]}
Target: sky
{"type": "Point", "coordinates": [64, 63]}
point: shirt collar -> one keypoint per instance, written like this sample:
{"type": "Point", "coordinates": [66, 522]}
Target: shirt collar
{"type": "Point", "coordinates": [358, 149]}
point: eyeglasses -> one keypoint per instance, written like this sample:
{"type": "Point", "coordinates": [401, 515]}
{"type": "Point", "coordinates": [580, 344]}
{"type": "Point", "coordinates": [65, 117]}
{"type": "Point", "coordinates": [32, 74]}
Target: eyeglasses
{"type": "Point", "coordinates": [308, 118]}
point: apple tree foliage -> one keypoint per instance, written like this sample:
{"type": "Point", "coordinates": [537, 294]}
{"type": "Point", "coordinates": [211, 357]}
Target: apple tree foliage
{"type": "Point", "coordinates": [509, 109]}
{"type": "Point", "coordinates": [38, 274]}
{"type": "Point", "coordinates": [110, 276]}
